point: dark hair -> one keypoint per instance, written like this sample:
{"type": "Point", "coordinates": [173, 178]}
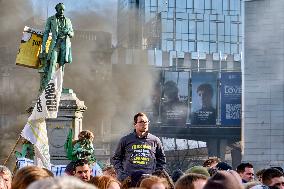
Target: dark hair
{"type": "Point", "coordinates": [138, 115]}
{"type": "Point", "coordinates": [224, 180]}
{"type": "Point", "coordinates": [210, 161]}
{"type": "Point", "coordinates": [269, 174]}
{"type": "Point", "coordinates": [241, 168]}
{"type": "Point", "coordinates": [279, 168]}
{"type": "Point", "coordinates": [223, 166]}
{"type": "Point", "coordinates": [177, 174]}
{"type": "Point", "coordinates": [81, 162]}
{"type": "Point", "coordinates": [207, 88]}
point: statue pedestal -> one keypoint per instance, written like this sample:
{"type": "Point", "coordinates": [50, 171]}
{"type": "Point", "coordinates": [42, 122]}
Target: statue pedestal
{"type": "Point", "coordinates": [70, 115]}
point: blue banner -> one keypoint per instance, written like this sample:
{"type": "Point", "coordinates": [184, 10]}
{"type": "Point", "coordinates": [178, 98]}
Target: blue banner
{"type": "Point", "coordinates": [231, 94]}
{"type": "Point", "coordinates": [204, 98]}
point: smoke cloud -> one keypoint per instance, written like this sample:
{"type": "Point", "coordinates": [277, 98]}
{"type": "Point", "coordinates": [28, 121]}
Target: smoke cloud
{"type": "Point", "coordinates": [108, 93]}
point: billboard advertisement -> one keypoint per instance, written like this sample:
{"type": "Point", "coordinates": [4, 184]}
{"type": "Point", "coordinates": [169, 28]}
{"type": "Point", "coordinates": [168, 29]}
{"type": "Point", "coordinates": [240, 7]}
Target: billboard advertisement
{"type": "Point", "coordinates": [204, 98]}
{"type": "Point", "coordinates": [231, 94]}
{"type": "Point", "coordinates": [174, 98]}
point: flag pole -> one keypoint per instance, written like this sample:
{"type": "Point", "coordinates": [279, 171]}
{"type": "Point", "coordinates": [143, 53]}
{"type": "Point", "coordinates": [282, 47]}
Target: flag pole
{"type": "Point", "coordinates": [9, 156]}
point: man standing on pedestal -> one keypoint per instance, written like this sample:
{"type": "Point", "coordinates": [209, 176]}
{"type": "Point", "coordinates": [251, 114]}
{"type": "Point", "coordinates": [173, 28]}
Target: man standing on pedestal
{"type": "Point", "coordinates": [139, 150]}
{"type": "Point", "coordinates": [59, 50]}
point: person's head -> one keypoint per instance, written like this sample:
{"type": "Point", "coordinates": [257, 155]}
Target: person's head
{"type": "Point", "coordinates": [273, 177]}
{"type": "Point", "coordinates": [82, 170]}
{"type": "Point", "coordinates": [259, 174]}
{"type": "Point", "coordinates": [86, 134]}
{"type": "Point", "coordinates": [94, 180]}
{"type": "Point", "coordinates": [164, 174]}
{"type": "Point", "coordinates": [170, 91]}
{"type": "Point", "coordinates": [141, 123]}
{"type": "Point", "coordinates": [109, 170]}
{"type": "Point", "coordinates": [69, 170]}
{"type": "Point", "coordinates": [224, 180]}
{"type": "Point", "coordinates": [198, 170]}
{"type": "Point", "coordinates": [154, 182]}
{"type": "Point", "coordinates": [205, 94]}
{"type": "Point", "coordinates": [6, 174]}
{"type": "Point", "coordinates": [27, 175]}
{"type": "Point", "coordinates": [177, 174]}
{"type": "Point", "coordinates": [246, 171]}
{"type": "Point", "coordinates": [60, 7]}
{"type": "Point", "coordinates": [65, 182]}
{"type": "Point", "coordinates": [223, 166]}
{"type": "Point", "coordinates": [108, 182]}
{"type": "Point", "coordinates": [211, 162]}
{"type": "Point", "coordinates": [2, 183]}
{"type": "Point", "coordinates": [191, 181]}
{"type": "Point", "coordinates": [251, 184]}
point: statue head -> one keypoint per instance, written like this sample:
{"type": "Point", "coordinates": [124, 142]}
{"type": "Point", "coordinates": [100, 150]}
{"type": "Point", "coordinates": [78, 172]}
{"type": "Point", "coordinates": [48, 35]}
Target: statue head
{"type": "Point", "coordinates": [60, 7]}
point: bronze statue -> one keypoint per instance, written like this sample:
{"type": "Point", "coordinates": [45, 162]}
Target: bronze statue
{"type": "Point", "coordinates": [59, 51]}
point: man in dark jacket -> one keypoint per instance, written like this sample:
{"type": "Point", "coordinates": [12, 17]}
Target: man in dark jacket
{"type": "Point", "coordinates": [139, 150]}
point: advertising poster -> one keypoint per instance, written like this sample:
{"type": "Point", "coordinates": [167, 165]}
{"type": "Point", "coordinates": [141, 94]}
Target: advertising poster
{"type": "Point", "coordinates": [175, 98]}
{"type": "Point", "coordinates": [231, 94]}
{"type": "Point", "coordinates": [204, 98]}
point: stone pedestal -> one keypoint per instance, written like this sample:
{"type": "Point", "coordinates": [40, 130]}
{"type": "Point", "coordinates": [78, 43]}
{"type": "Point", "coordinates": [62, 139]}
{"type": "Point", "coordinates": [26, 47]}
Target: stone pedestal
{"type": "Point", "coordinates": [69, 116]}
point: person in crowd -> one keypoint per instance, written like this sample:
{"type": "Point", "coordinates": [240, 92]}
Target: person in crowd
{"type": "Point", "coordinates": [154, 182]}
{"type": "Point", "coordinates": [279, 168]}
{"type": "Point", "coordinates": [224, 180]}
{"type": "Point", "coordinates": [164, 174]}
{"type": "Point", "coordinates": [65, 182]}
{"type": "Point", "coordinates": [251, 184]}
{"type": "Point", "coordinates": [223, 166]}
{"type": "Point", "coordinates": [273, 178]}
{"type": "Point", "coordinates": [126, 183]}
{"type": "Point", "coordinates": [139, 150]}
{"type": "Point", "coordinates": [107, 182]}
{"type": "Point", "coordinates": [199, 170]}
{"type": "Point", "coordinates": [27, 175]}
{"type": "Point", "coordinates": [69, 170]}
{"type": "Point", "coordinates": [246, 172]}
{"type": "Point", "coordinates": [109, 170]}
{"type": "Point", "coordinates": [191, 181]}
{"type": "Point", "coordinates": [6, 174]}
{"type": "Point", "coordinates": [2, 183]}
{"type": "Point", "coordinates": [94, 180]}
{"type": "Point", "coordinates": [259, 175]}
{"type": "Point", "coordinates": [177, 174]}
{"type": "Point", "coordinates": [211, 162]}
{"type": "Point", "coordinates": [82, 170]}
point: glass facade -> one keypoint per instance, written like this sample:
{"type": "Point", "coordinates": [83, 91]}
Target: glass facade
{"type": "Point", "coordinates": [194, 25]}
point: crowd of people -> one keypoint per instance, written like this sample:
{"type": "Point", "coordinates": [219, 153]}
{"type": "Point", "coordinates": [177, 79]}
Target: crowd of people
{"type": "Point", "coordinates": [213, 174]}
{"type": "Point", "coordinates": [139, 162]}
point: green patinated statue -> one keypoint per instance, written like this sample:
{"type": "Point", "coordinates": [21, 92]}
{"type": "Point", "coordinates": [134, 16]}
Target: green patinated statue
{"type": "Point", "coordinates": [59, 51]}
